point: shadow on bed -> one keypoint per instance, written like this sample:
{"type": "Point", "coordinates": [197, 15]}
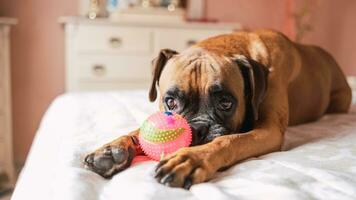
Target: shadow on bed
{"type": "Point", "coordinates": [327, 127]}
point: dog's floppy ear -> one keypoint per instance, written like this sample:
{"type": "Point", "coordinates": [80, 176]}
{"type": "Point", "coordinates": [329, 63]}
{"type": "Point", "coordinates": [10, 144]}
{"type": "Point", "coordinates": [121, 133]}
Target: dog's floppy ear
{"type": "Point", "coordinates": [255, 77]}
{"type": "Point", "coordinates": [157, 67]}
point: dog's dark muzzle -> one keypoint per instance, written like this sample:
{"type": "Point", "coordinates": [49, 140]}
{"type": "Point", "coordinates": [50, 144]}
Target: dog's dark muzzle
{"type": "Point", "coordinates": [205, 131]}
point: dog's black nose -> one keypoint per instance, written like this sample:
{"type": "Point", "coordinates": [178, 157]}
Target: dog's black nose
{"type": "Point", "coordinates": [199, 131]}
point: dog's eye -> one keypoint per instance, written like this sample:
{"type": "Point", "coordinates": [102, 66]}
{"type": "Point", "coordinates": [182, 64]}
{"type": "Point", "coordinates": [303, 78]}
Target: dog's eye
{"type": "Point", "coordinates": [171, 103]}
{"type": "Point", "coordinates": [225, 104]}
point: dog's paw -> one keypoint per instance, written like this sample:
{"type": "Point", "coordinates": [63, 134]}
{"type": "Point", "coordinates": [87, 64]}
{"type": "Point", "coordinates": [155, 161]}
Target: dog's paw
{"type": "Point", "coordinates": [110, 159]}
{"type": "Point", "coordinates": [183, 169]}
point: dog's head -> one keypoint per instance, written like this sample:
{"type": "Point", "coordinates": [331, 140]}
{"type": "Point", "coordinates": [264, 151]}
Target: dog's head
{"type": "Point", "coordinates": [217, 95]}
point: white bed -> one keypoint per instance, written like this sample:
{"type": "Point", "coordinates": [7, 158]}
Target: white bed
{"type": "Point", "coordinates": [318, 161]}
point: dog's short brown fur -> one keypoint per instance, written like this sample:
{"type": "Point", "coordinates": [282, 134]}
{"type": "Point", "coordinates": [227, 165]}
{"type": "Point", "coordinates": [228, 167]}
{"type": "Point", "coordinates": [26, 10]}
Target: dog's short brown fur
{"type": "Point", "coordinates": [266, 82]}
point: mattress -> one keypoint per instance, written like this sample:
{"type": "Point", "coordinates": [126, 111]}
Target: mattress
{"type": "Point", "coordinates": [318, 160]}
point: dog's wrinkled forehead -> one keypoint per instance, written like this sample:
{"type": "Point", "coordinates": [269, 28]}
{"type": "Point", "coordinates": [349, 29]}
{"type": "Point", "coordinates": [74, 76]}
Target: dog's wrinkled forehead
{"type": "Point", "coordinates": [198, 69]}
{"type": "Point", "coordinates": [198, 54]}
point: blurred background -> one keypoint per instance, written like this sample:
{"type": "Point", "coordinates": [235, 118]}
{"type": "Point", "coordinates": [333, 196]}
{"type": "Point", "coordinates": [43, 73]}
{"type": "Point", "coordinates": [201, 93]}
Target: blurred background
{"type": "Point", "coordinates": [63, 46]}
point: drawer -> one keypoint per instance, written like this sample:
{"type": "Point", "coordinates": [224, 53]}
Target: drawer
{"type": "Point", "coordinates": [109, 39]}
{"type": "Point", "coordinates": [114, 68]}
{"type": "Point", "coordinates": [179, 39]}
{"type": "Point", "coordinates": [89, 85]}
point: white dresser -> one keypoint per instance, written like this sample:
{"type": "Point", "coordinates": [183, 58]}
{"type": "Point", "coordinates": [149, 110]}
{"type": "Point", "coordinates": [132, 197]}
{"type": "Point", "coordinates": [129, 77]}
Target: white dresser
{"type": "Point", "coordinates": [6, 153]}
{"type": "Point", "coordinates": [106, 55]}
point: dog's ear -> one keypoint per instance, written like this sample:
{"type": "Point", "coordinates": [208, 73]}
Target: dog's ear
{"type": "Point", "coordinates": [255, 77]}
{"type": "Point", "coordinates": [157, 67]}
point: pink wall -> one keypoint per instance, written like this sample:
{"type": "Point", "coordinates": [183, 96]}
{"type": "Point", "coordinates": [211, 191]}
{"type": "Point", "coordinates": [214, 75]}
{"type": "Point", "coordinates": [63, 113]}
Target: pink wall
{"type": "Point", "coordinates": [334, 24]}
{"type": "Point", "coordinates": [37, 58]}
{"type": "Point", "coordinates": [38, 47]}
{"type": "Point", "coordinates": [250, 13]}
{"type": "Point", "coordinates": [335, 30]}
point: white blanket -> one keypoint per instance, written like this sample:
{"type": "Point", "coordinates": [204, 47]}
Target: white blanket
{"type": "Point", "coordinates": [318, 161]}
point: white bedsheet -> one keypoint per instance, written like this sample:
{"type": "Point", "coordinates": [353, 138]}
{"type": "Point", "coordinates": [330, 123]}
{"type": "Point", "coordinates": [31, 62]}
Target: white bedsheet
{"type": "Point", "coordinates": [319, 161]}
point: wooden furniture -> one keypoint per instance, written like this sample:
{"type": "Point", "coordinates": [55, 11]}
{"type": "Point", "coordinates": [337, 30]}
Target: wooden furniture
{"type": "Point", "coordinates": [105, 55]}
{"type": "Point", "coordinates": [6, 153]}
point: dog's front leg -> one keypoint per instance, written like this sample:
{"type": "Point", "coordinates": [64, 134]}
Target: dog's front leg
{"type": "Point", "coordinates": [114, 156]}
{"type": "Point", "coordinates": [199, 163]}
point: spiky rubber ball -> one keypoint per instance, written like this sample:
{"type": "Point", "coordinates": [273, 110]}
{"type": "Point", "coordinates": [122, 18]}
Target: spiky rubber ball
{"type": "Point", "coordinates": [164, 133]}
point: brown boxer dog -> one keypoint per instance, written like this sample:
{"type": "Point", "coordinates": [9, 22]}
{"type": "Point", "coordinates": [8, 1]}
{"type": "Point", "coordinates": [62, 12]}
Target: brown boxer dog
{"type": "Point", "coordinates": [239, 93]}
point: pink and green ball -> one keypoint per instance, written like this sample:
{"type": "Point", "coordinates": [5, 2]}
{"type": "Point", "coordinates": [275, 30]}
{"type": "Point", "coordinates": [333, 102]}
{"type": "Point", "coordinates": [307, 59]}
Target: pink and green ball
{"type": "Point", "coordinates": [164, 133]}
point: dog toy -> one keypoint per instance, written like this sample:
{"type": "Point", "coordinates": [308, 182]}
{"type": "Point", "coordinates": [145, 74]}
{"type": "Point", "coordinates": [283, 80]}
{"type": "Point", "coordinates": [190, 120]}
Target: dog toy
{"type": "Point", "coordinates": [164, 133]}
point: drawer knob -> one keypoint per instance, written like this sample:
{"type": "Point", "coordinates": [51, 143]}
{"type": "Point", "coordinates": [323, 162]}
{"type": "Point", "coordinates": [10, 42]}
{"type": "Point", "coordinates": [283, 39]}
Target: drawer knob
{"type": "Point", "coordinates": [191, 43]}
{"type": "Point", "coordinates": [115, 42]}
{"type": "Point", "coordinates": [98, 70]}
